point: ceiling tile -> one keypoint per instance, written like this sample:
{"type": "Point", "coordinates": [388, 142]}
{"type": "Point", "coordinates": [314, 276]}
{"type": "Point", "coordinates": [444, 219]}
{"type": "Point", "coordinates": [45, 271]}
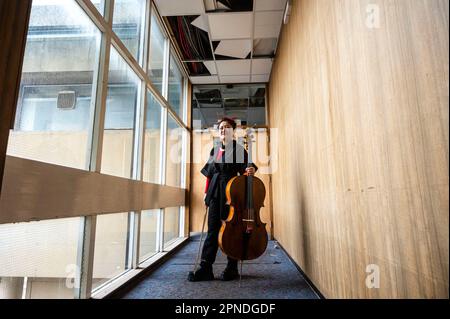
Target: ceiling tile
{"type": "Point", "coordinates": [201, 22]}
{"type": "Point", "coordinates": [260, 78]}
{"type": "Point", "coordinates": [235, 79]}
{"type": "Point", "coordinates": [234, 48]}
{"type": "Point", "coordinates": [261, 66]}
{"type": "Point", "coordinates": [268, 24]}
{"type": "Point", "coordinates": [236, 25]}
{"type": "Point", "coordinates": [211, 66]}
{"type": "Point", "coordinates": [180, 8]}
{"type": "Point", "coordinates": [233, 67]}
{"type": "Point", "coordinates": [264, 47]}
{"type": "Point", "coordinates": [204, 79]}
{"type": "Point", "coordinates": [269, 5]}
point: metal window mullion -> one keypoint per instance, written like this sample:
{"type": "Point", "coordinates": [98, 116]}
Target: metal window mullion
{"type": "Point", "coordinates": [139, 146]}
{"type": "Point", "coordinates": [134, 226]}
{"type": "Point", "coordinates": [164, 120]}
{"type": "Point", "coordinates": [160, 231]}
{"type": "Point", "coordinates": [88, 228]}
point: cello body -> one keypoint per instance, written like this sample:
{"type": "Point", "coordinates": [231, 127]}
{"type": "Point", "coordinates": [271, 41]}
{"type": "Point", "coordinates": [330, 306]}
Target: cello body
{"type": "Point", "coordinates": [243, 236]}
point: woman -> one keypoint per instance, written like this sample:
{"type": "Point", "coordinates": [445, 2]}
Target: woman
{"type": "Point", "coordinates": [224, 163]}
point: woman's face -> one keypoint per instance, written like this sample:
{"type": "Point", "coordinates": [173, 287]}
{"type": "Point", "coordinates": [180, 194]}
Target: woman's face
{"type": "Point", "coordinates": [226, 131]}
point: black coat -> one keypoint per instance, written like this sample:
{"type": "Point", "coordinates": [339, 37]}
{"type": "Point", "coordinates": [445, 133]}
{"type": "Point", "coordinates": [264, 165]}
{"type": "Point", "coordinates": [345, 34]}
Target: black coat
{"type": "Point", "coordinates": [234, 162]}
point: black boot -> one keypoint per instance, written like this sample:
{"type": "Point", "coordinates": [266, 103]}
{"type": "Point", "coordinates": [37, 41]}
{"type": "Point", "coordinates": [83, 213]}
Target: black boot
{"type": "Point", "coordinates": [204, 273]}
{"type": "Point", "coordinates": [231, 271]}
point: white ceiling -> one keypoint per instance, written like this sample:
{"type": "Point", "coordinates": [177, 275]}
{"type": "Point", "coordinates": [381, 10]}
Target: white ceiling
{"type": "Point", "coordinates": [238, 33]}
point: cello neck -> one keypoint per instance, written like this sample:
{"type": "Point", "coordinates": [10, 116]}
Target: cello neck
{"type": "Point", "coordinates": [249, 178]}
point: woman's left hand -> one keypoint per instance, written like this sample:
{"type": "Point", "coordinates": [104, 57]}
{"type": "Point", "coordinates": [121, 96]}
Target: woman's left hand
{"type": "Point", "coordinates": [250, 170]}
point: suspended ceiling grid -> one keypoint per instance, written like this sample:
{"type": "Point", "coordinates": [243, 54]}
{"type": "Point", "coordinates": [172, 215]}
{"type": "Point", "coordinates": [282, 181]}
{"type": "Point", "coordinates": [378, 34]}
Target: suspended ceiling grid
{"type": "Point", "coordinates": [225, 41]}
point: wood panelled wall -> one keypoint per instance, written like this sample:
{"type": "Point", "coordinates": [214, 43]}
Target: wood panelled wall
{"type": "Point", "coordinates": [362, 118]}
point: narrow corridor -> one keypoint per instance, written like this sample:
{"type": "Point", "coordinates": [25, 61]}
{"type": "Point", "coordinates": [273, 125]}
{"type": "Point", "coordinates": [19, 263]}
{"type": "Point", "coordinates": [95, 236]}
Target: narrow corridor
{"type": "Point", "coordinates": [272, 276]}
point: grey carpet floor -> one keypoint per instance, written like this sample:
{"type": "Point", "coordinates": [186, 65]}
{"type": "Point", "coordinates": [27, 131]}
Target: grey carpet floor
{"type": "Point", "coordinates": [271, 276]}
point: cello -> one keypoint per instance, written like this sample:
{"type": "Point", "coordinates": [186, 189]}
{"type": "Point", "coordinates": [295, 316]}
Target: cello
{"type": "Point", "coordinates": [243, 235]}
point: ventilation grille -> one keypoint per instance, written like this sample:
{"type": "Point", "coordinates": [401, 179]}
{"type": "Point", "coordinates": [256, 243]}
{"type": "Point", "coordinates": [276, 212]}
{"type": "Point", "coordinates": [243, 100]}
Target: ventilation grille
{"type": "Point", "coordinates": [66, 100]}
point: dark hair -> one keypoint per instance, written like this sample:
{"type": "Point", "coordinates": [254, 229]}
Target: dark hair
{"type": "Point", "coordinates": [229, 120]}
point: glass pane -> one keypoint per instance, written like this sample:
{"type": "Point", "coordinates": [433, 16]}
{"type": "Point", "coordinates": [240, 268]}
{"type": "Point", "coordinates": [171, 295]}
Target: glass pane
{"type": "Point", "coordinates": [38, 260]}
{"type": "Point", "coordinates": [171, 224]}
{"type": "Point", "coordinates": [127, 23]}
{"type": "Point", "coordinates": [110, 254]}
{"type": "Point", "coordinates": [174, 153]}
{"type": "Point", "coordinates": [147, 244]}
{"type": "Point", "coordinates": [152, 141]}
{"type": "Point", "coordinates": [120, 114]}
{"type": "Point", "coordinates": [176, 87]}
{"type": "Point", "coordinates": [100, 5]}
{"type": "Point", "coordinates": [156, 63]}
{"type": "Point", "coordinates": [56, 93]}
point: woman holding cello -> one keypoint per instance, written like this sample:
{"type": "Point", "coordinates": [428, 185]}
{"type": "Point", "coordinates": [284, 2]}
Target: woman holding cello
{"type": "Point", "coordinates": [225, 162]}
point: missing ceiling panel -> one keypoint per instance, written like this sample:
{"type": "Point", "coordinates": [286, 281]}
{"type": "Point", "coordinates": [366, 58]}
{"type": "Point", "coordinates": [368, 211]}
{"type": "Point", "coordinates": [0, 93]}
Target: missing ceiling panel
{"type": "Point", "coordinates": [242, 101]}
{"type": "Point", "coordinates": [192, 41]}
{"type": "Point", "coordinates": [228, 5]}
{"type": "Point", "coordinates": [264, 47]}
{"type": "Point", "coordinates": [217, 104]}
{"type": "Point", "coordinates": [257, 102]}
{"type": "Point", "coordinates": [236, 103]}
{"type": "Point", "coordinates": [258, 92]}
{"type": "Point", "coordinates": [205, 94]}
{"type": "Point", "coordinates": [197, 68]}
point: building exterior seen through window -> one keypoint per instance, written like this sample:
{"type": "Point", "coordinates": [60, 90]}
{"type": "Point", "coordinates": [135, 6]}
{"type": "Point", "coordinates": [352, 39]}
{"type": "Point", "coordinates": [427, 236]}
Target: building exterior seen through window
{"type": "Point", "coordinates": [55, 116]}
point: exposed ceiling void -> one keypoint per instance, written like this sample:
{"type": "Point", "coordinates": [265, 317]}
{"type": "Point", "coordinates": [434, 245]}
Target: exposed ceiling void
{"type": "Point", "coordinates": [245, 102]}
{"type": "Point", "coordinates": [225, 41]}
{"type": "Point", "coordinates": [193, 42]}
{"type": "Point", "coordinates": [228, 5]}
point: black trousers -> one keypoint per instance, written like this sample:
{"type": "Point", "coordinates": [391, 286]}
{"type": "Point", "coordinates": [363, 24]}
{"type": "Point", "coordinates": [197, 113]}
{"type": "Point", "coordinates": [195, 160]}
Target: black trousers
{"type": "Point", "coordinates": [211, 244]}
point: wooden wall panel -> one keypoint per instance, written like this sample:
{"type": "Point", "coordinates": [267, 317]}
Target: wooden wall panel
{"type": "Point", "coordinates": [362, 119]}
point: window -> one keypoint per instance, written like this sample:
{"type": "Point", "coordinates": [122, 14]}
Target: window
{"type": "Point", "coordinates": [110, 253]}
{"type": "Point", "coordinates": [55, 104]}
{"type": "Point", "coordinates": [171, 225]}
{"type": "Point", "coordinates": [152, 141]}
{"type": "Point", "coordinates": [100, 5]}
{"type": "Point", "coordinates": [157, 48]}
{"type": "Point", "coordinates": [128, 21]}
{"type": "Point", "coordinates": [148, 234]}
{"type": "Point", "coordinates": [55, 118]}
{"type": "Point", "coordinates": [174, 158]}
{"type": "Point", "coordinates": [120, 116]}
{"type": "Point", "coordinates": [38, 260]}
{"type": "Point", "coordinates": [176, 87]}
